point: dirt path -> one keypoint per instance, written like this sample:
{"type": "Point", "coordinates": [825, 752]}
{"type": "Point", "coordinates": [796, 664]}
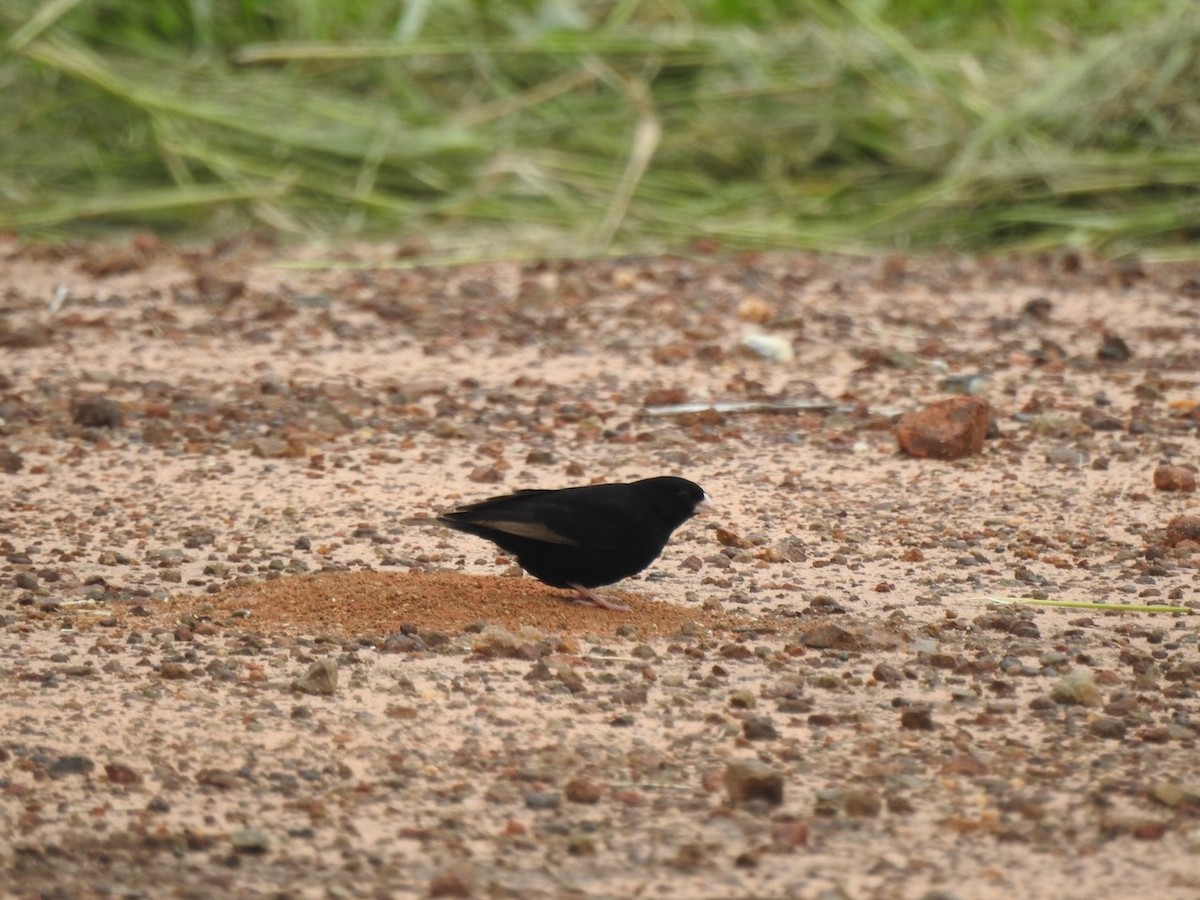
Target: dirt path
{"type": "Point", "coordinates": [205, 458]}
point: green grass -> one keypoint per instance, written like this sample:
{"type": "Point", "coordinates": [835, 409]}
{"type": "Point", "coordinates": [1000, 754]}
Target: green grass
{"type": "Point", "coordinates": [559, 127]}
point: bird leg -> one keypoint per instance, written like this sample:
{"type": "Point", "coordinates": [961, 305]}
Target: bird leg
{"type": "Point", "coordinates": [591, 598]}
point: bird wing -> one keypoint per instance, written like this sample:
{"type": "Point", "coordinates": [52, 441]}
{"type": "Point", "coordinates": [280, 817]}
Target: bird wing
{"type": "Point", "coordinates": [599, 520]}
{"type": "Point", "coordinates": [534, 531]}
{"type": "Point", "coordinates": [511, 514]}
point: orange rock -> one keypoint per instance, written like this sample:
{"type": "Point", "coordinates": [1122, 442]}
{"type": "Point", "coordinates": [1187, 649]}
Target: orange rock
{"type": "Point", "coordinates": [1175, 478]}
{"type": "Point", "coordinates": [946, 429]}
{"type": "Point", "coordinates": [1183, 529]}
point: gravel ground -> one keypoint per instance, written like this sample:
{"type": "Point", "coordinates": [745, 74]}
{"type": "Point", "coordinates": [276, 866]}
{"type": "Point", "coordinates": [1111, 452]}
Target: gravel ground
{"type": "Point", "coordinates": [228, 669]}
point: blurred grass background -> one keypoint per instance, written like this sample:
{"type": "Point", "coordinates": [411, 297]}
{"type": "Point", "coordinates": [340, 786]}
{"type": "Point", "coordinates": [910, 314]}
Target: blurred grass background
{"type": "Point", "coordinates": [577, 127]}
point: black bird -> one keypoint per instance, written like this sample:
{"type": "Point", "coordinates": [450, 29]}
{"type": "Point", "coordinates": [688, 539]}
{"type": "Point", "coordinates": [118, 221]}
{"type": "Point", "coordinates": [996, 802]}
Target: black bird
{"type": "Point", "coordinates": [582, 537]}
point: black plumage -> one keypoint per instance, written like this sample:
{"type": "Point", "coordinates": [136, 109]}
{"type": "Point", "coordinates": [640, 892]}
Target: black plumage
{"type": "Point", "coordinates": [582, 537]}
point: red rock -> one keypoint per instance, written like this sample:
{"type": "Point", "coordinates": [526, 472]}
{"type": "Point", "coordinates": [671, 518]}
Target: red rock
{"type": "Point", "coordinates": [788, 835]}
{"type": "Point", "coordinates": [1149, 830]}
{"type": "Point", "coordinates": [917, 719]}
{"type": "Point", "coordinates": [633, 798]}
{"type": "Point", "coordinates": [453, 882]}
{"type": "Point", "coordinates": [753, 780]}
{"type": "Point", "coordinates": [727, 538]}
{"type": "Point", "coordinates": [119, 773]}
{"type": "Point", "coordinates": [862, 804]}
{"type": "Point", "coordinates": [174, 671]}
{"type": "Point", "coordinates": [965, 764]}
{"type": "Point", "coordinates": [486, 475]}
{"type": "Point", "coordinates": [946, 429]}
{"type": "Point", "coordinates": [1175, 478]}
{"type": "Point", "coordinates": [156, 410]}
{"type": "Point", "coordinates": [665, 397]}
{"type": "Point", "coordinates": [1183, 529]}
{"type": "Point", "coordinates": [580, 790]}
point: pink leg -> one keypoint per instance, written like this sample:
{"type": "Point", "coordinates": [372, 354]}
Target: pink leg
{"type": "Point", "coordinates": [588, 597]}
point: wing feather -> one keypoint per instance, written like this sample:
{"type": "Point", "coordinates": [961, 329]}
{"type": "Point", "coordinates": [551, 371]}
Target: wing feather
{"type": "Point", "coordinates": [534, 531]}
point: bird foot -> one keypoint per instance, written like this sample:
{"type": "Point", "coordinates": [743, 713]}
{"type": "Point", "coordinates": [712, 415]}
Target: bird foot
{"type": "Point", "coordinates": [591, 598]}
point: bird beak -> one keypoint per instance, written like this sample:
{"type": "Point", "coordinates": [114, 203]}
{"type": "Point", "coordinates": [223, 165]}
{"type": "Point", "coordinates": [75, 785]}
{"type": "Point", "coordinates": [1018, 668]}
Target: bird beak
{"type": "Point", "coordinates": [706, 505]}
